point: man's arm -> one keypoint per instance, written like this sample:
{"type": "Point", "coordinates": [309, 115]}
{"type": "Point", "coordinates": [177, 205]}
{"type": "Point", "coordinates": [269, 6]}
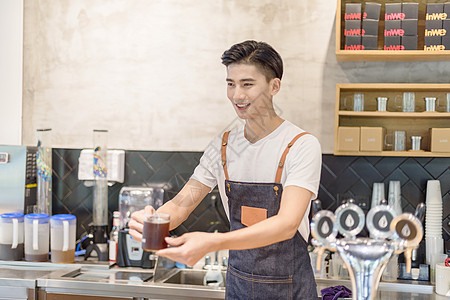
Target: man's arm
{"type": "Point", "coordinates": [191, 247]}
{"type": "Point", "coordinates": [179, 208]}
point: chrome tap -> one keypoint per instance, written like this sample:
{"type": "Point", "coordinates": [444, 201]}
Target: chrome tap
{"type": "Point", "coordinates": [366, 258]}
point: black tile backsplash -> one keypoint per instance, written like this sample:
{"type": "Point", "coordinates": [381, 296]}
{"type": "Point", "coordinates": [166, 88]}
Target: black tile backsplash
{"type": "Point", "coordinates": [343, 177]}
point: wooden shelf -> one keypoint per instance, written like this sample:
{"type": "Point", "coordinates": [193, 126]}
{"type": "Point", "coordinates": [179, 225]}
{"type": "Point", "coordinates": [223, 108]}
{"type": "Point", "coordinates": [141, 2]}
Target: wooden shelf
{"type": "Point", "coordinates": [382, 55]}
{"type": "Point", "coordinates": [386, 55]}
{"type": "Point", "coordinates": [384, 114]}
{"type": "Point", "coordinates": [395, 153]}
{"type": "Point", "coordinates": [414, 123]}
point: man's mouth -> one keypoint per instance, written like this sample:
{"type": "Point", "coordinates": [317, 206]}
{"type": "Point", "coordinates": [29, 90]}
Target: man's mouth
{"type": "Point", "coordinates": [242, 106]}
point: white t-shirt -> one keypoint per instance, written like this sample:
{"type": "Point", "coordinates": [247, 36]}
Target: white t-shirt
{"type": "Point", "coordinates": [258, 162]}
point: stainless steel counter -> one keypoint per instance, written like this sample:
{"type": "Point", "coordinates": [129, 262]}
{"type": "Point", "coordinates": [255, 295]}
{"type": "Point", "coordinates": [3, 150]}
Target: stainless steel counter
{"type": "Point", "coordinates": [129, 283]}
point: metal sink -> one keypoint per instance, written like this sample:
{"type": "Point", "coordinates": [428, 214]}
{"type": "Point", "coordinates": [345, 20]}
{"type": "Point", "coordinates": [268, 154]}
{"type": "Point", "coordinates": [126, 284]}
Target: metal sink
{"type": "Point", "coordinates": [190, 277]}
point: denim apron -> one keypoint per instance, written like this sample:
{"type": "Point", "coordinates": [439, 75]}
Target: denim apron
{"type": "Point", "coordinates": [278, 271]}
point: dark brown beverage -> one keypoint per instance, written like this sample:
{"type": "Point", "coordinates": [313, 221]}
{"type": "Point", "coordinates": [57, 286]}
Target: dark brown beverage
{"type": "Point", "coordinates": [62, 257]}
{"type": "Point", "coordinates": [36, 257]}
{"type": "Point", "coordinates": [6, 253]}
{"type": "Point", "coordinates": [154, 233]}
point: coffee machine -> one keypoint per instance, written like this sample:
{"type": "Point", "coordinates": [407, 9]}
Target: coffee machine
{"type": "Point", "coordinates": [131, 199]}
{"type": "Point", "coordinates": [17, 179]}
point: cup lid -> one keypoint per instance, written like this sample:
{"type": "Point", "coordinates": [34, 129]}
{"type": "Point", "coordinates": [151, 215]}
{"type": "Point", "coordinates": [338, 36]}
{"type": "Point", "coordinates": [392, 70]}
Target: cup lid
{"type": "Point", "coordinates": [36, 216]}
{"type": "Point", "coordinates": [63, 217]}
{"type": "Point", "coordinates": [12, 215]}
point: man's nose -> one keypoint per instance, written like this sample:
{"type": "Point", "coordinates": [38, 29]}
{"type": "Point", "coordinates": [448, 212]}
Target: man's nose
{"type": "Point", "coordinates": [238, 94]}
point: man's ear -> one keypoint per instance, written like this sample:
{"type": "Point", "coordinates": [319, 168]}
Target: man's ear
{"type": "Point", "coordinates": [275, 86]}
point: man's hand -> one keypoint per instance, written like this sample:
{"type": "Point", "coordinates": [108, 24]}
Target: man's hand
{"type": "Point", "coordinates": [136, 223]}
{"type": "Point", "coordinates": [190, 247]}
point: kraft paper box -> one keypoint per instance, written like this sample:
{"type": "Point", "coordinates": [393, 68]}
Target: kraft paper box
{"type": "Point", "coordinates": [348, 138]}
{"type": "Point", "coordinates": [372, 139]}
{"type": "Point", "coordinates": [440, 139]}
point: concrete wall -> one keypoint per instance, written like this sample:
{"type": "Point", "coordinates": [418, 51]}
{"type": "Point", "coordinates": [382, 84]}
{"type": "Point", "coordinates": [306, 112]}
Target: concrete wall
{"type": "Point", "coordinates": [150, 72]}
{"type": "Point", "coordinates": [11, 33]}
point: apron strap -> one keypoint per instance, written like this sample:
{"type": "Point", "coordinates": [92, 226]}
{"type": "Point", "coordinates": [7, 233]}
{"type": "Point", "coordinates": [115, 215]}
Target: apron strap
{"type": "Point", "coordinates": [224, 153]}
{"type": "Point", "coordinates": [283, 157]}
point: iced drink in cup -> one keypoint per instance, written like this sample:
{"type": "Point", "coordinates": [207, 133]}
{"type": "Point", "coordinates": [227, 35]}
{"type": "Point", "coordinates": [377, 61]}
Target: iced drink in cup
{"type": "Point", "coordinates": [156, 229]}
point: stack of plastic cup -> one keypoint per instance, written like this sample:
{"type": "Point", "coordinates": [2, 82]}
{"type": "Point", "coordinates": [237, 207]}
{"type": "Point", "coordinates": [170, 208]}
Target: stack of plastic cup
{"type": "Point", "coordinates": [433, 221]}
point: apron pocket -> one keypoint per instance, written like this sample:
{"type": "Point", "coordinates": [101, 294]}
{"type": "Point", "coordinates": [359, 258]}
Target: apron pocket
{"type": "Point", "coordinates": [252, 215]}
{"type": "Point", "coordinates": [241, 285]}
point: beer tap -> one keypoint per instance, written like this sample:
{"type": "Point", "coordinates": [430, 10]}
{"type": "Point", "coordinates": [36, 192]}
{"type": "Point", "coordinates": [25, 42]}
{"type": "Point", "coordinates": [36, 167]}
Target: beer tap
{"type": "Point", "coordinates": [366, 258]}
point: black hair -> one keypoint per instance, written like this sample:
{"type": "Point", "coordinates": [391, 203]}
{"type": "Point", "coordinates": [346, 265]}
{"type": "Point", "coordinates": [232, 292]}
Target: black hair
{"type": "Point", "coordinates": [259, 53]}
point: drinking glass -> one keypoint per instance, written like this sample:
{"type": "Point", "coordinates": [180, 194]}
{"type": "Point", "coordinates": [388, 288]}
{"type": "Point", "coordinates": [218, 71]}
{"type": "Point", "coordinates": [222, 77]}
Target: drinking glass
{"type": "Point", "coordinates": [156, 229]}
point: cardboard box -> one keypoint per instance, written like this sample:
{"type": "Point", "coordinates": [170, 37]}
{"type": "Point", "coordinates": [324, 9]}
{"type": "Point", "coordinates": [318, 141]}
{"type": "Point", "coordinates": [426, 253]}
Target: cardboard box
{"type": "Point", "coordinates": [410, 27]}
{"type": "Point", "coordinates": [447, 9]}
{"type": "Point", "coordinates": [391, 41]}
{"type": "Point", "coordinates": [411, 10]}
{"type": "Point", "coordinates": [435, 8]}
{"type": "Point", "coordinates": [393, 8]}
{"type": "Point", "coordinates": [372, 11]}
{"type": "Point", "coordinates": [446, 42]}
{"type": "Point", "coordinates": [352, 11]}
{"type": "Point", "coordinates": [446, 26]}
{"type": "Point", "coordinates": [370, 42]}
{"type": "Point", "coordinates": [352, 27]}
{"type": "Point", "coordinates": [409, 42]}
{"type": "Point", "coordinates": [440, 140]}
{"type": "Point", "coordinates": [372, 139]}
{"type": "Point", "coordinates": [370, 27]}
{"type": "Point", "coordinates": [432, 41]}
{"type": "Point", "coordinates": [353, 42]}
{"type": "Point", "coordinates": [348, 138]}
{"type": "Point", "coordinates": [433, 24]}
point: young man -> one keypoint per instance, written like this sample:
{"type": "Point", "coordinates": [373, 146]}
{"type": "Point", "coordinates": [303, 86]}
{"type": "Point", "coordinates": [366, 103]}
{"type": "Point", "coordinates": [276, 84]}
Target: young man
{"type": "Point", "coordinates": [267, 173]}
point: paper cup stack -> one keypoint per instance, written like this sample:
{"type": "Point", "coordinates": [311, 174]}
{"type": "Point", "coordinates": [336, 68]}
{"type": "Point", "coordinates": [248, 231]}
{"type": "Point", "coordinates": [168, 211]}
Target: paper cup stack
{"type": "Point", "coordinates": [433, 223]}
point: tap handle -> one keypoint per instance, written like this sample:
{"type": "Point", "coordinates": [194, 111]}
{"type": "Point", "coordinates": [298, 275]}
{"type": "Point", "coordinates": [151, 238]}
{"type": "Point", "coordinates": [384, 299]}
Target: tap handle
{"type": "Point", "coordinates": [316, 206]}
{"type": "Point", "coordinates": [320, 251]}
{"type": "Point", "coordinates": [408, 254]}
{"type": "Point", "coordinates": [420, 212]}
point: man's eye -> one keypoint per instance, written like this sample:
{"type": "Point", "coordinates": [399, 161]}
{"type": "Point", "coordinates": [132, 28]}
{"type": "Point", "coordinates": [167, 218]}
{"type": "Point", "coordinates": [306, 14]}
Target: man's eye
{"type": "Point", "coordinates": [230, 84]}
{"type": "Point", "coordinates": [248, 84]}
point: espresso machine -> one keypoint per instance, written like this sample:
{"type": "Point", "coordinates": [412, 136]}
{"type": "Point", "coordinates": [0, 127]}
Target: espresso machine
{"type": "Point", "coordinates": [18, 185]}
{"type": "Point", "coordinates": [366, 258]}
{"type": "Point", "coordinates": [131, 199]}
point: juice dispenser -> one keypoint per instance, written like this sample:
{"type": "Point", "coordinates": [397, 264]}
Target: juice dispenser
{"type": "Point", "coordinates": [11, 236]}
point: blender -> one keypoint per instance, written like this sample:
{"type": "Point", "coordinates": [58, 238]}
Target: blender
{"type": "Point", "coordinates": [131, 199]}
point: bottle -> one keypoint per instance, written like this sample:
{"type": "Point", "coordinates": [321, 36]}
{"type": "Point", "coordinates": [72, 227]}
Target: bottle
{"type": "Point", "coordinates": [114, 237]}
